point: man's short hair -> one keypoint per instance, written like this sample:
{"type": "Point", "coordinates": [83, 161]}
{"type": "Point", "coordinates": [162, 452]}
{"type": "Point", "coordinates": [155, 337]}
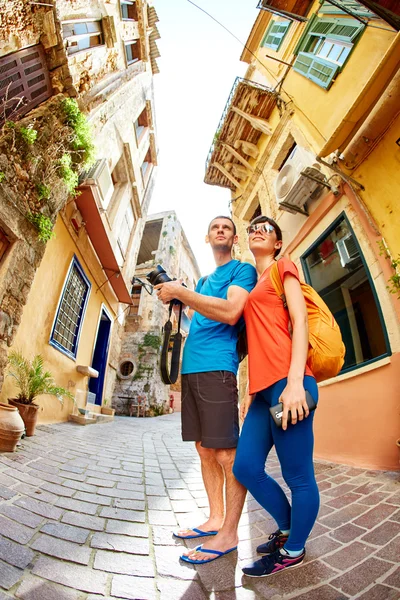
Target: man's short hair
{"type": "Point", "coordinates": [222, 217]}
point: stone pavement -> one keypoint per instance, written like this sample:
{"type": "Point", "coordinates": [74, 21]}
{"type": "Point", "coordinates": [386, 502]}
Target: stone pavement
{"type": "Point", "coordinates": [86, 513]}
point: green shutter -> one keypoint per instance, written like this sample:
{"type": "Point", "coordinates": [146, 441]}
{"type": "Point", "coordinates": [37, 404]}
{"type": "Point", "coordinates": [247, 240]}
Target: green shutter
{"type": "Point", "coordinates": [345, 30]}
{"type": "Point", "coordinates": [301, 44]}
{"type": "Point", "coordinates": [275, 34]}
{"type": "Point", "coordinates": [318, 70]}
{"type": "Point", "coordinates": [351, 5]}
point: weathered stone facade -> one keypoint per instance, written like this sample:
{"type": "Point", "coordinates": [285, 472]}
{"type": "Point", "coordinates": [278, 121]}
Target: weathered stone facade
{"type": "Point", "coordinates": [164, 242]}
{"type": "Point", "coordinates": [115, 90]}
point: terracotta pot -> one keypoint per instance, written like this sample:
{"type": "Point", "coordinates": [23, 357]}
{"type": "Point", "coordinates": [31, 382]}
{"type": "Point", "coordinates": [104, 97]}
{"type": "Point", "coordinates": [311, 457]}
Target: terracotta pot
{"type": "Point", "coordinates": [398, 445]}
{"type": "Point", "coordinates": [29, 414]}
{"type": "Point", "coordinates": [11, 427]}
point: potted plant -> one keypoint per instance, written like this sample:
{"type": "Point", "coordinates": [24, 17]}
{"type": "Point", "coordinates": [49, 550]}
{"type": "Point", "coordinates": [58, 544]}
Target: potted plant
{"type": "Point", "coordinates": [33, 381]}
{"type": "Point", "coordinates": [107, 410]}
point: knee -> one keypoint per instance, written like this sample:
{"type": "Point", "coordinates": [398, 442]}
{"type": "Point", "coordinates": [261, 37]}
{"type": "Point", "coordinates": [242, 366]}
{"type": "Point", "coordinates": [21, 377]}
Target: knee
{"type": "Point", "coordinates": [241, 471]}
{"type": "Point", "coordinates": [205, 454]}
{"type": "Point", "coordinates": [225, 457]}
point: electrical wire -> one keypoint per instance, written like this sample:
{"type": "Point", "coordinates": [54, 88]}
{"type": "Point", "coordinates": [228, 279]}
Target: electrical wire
{"type": "Point", "coordinates": [279, 82]}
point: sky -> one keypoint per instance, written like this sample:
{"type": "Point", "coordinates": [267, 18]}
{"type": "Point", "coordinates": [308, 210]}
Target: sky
{"type": "Point", "coordinates": [198, 66]}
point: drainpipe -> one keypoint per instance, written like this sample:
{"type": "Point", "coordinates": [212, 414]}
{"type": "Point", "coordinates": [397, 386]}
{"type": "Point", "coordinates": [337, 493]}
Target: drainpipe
{"type": "Point", "coordinates": [375, 126]}
{"type": "Point", "coordinates": [366, 100]}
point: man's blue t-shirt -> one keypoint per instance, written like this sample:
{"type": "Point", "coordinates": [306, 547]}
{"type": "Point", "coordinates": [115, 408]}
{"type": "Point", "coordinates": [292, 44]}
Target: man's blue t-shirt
{"type": "Point", "coordinates": [210, 345]}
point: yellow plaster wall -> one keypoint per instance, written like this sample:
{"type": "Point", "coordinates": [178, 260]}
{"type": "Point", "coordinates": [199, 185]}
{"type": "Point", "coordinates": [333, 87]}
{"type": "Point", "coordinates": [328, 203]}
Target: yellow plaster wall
{"type": "Point", "coordinates": [379, 173]}
{"type": "Point", "coordinates": [37, 321]}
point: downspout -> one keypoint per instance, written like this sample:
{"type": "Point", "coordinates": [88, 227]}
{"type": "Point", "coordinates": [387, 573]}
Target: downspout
{"type": "Point", "coordinates": [366, 100]}
{"type": "Point", "coordinates": [377, 123]}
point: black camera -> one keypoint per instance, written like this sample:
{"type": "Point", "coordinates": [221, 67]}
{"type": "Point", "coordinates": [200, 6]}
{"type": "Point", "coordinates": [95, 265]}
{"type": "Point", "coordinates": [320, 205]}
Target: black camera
{"type": "Point", "coordinates": [159, 275]}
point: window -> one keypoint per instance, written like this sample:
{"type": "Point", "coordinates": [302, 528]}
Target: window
{"type": "Point", "coordinates": [275, 34]}
{"type": "Point", "coordinates": [4, 244]}
{"type": "Point", "coordinates": [145, 168]}
{"type": "Point", "coordinates": [128, 10]}
{"type": "Point", "coordinates": [335, 267]}
{"type": "Point", "coordinates": [126, 368]}
{"type": "Point", "coordinates": [126, 229]}
{"type": "Point", "coordinates": [324, 48]}
{"type": "Point", "coordinates": [132, 51]}
{"type": "Point", "coordinates": [141, 124]}
{"type": "Point", "coordinates": [136, 293]}
{"type": "Point", "coordinates": [69, 318]}
{"type": "Point", "coordinates": [82, 35]}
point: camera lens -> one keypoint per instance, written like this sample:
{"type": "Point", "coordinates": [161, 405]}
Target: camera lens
{"type": "Point", "coordinates": [158, 275]}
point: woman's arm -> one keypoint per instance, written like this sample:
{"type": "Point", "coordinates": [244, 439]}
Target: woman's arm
{"type": "Point", "coordinates": [293, 396]}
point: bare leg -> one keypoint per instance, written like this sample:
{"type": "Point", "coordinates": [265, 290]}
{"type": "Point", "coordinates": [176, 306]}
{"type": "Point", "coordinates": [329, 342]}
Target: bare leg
{"type": "Point", "coordinates": [213, 478]}
{"type": "Point", "coordinates": [235, 496]}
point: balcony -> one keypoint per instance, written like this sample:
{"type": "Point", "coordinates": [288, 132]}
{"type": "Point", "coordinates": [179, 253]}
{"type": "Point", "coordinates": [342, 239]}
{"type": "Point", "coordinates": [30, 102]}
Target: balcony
{"type": "Point", "coordinates": [243, 122]}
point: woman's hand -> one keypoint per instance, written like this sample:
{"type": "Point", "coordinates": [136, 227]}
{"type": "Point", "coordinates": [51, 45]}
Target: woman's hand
{"type": "Point", "coordinates": [293, 399]}
{"type": "Point", "coordinates": [244, 406]}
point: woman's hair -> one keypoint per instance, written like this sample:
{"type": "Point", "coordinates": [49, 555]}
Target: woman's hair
{"type": "Point", "coordinates": [278, 230]}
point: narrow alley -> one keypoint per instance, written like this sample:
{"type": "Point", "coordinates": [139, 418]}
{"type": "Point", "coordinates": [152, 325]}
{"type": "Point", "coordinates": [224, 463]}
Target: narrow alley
{"type": "Point", "coordinates": [88, 513]}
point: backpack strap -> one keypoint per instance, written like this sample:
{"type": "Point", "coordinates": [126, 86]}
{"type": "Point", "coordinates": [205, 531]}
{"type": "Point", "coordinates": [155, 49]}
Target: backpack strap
{"type": "Point", "coordinates": [277, 283]}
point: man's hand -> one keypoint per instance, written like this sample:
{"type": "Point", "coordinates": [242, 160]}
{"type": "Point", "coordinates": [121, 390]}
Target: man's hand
{"type": "Point", "coordinates": [169, 291]}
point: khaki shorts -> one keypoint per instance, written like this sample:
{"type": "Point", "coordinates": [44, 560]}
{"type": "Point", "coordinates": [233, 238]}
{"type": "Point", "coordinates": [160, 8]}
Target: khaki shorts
{"type": "Point", "coordinates": [210, 409]}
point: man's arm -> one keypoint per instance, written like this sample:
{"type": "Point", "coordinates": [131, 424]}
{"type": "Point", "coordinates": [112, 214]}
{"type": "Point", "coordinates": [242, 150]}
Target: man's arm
{"type": "Point", "coordinates": [218, 309]}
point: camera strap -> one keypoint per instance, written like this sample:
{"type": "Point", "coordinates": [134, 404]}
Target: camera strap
{"type": "Point", "coordinates": [170, 375]}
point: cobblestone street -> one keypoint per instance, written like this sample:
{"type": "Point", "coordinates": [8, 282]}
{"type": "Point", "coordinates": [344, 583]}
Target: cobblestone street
{"type": "Point", "coordinates": [87, 513]}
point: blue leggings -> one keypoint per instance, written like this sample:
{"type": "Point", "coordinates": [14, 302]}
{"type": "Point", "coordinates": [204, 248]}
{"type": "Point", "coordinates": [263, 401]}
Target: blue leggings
{"type": "Point", "coordinates": [294, 448]}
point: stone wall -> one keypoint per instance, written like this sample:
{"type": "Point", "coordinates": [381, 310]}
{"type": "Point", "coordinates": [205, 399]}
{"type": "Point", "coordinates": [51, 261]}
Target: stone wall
{"type": "Point", "coordinates": [18, 196]}
{"type": "Point", "coordinates": [143, 334]}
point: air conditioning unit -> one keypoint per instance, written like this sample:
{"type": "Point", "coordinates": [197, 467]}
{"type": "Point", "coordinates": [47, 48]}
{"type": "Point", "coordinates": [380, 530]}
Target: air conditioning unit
{"type": "Point", "coordinates": [299, 178]}
{"type": "Point", "coordinates": [99, 176]}
{"type": "Point", "coordinates": [347, 249]}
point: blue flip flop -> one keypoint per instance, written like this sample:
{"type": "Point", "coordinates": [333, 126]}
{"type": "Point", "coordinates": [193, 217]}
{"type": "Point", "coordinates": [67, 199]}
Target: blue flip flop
{"type": "Point", "coordinates": [204, 561]}
{"type": "Point", "coordinates": [199, 534]}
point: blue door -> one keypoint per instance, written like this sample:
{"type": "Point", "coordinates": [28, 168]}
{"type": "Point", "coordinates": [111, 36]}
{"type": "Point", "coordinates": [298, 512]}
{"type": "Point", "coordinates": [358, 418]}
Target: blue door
{"type": "Point", "coordinates": [100, 356]}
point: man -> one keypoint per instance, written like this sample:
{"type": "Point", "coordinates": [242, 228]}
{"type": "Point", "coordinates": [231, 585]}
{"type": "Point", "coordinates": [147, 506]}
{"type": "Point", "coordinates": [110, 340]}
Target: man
{"type": "Point", "coordinates": [209, 390]}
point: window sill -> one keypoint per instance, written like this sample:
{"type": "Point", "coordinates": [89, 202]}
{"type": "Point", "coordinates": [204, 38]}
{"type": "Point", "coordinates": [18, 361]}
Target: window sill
{"type": "Point", "coordinates": [356, 372]}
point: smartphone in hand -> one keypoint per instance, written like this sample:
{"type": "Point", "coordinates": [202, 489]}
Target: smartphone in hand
{"type": "Point", "coordinates": [277, 410]}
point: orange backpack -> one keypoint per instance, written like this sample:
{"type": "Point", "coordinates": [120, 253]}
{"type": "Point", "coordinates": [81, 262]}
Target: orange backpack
{"type": "Point", "coordinates": [326, 349]}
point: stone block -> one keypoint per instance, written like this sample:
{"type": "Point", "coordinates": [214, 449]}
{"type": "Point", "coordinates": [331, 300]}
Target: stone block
{"type": "Point", "coordinates": [66, 532]}
{"type": "Point", "coordinates": [33, 588]}
{"type": "Point", "coordinates": [122, 514]}
{"type": "Point", "coordinates": [15, 531]}
{"type": "Point", "coordinates": [9, 575]}
{"type": "Point", "coordinates": [120, 543]}
{"type": "Point", "coordinates": [360, 577]}
{"type": "Point", "coordinates": [131, 587]}
{"type": "Point", "coordinates": [58, 548]}
{"type": "Point", "coordinates": [124, 564]}
{"type": "Point", "coordinates": [15, 554]}
{"type": "Point", "coordinates": [73, 576]}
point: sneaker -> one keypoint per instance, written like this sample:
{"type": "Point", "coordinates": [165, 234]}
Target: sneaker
{"type": "Point", "coordinates": [276, 541]}
{"type": "Point", "coordinates": [273, 563]}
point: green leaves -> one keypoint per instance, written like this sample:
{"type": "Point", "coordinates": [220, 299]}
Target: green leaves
{"type": "Point", "coordinates": [33, 380]}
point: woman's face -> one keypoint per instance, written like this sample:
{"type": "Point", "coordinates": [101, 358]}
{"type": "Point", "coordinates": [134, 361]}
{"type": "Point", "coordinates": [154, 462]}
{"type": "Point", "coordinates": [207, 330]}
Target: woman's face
{"type": "Point", "coordinates": [263, 240]}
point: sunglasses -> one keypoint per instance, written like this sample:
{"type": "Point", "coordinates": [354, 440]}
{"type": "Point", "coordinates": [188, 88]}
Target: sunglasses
{"type": "Point", "coordinates": [262, 227]}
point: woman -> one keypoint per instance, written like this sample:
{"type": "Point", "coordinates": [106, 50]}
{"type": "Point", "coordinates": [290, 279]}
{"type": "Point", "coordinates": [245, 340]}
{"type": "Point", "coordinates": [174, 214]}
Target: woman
{"type": "Point", "coordinates": [278, 346]}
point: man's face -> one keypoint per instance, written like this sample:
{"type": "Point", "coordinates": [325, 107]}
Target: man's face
{"type": "Point", "coordinates": [220, 235]}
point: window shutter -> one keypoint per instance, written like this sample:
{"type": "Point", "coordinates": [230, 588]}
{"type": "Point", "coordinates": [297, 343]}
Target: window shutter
{"type": "Point", "coordinates": [351, 5]}
{"type": "Point", "coordinates": [301, 44]}
{"type": "Point", "coordinates": [318, 70]}
{"type": "Point", "coordinates": [345, 30]}
{"type": "Point", "coordinates": [23, 76]}
{"type": "Point", "coordinates": [275, 34]}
